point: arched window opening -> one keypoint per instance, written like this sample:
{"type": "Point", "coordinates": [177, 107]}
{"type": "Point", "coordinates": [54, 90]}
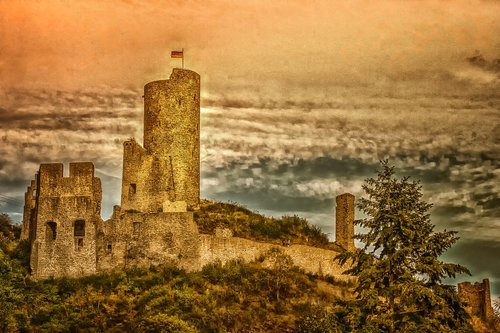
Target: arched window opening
{"type": "Point", "coordinates": [51, 231]}
{"type": "Point", "coordinates": [79, 229]}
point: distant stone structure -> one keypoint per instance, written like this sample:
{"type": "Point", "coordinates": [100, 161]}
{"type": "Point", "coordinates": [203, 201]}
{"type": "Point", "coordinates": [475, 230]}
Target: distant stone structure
{"type": "Point", "coordinates": [476, 298]}
{"type": "Point", "coordinates": [344, 213]}
{"type": "Point", "coordinates": [160, 189]}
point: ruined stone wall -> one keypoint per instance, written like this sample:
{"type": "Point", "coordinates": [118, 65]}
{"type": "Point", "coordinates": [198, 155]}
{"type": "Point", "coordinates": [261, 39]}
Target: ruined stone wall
{"type": "Point", "coordinates": [143, 239]}
{"type": "Point", "coordinates": [344, 221]}
{"type": "Point", "coordinates": [476, 298]}
{"type": "Point", "coordinates": [29, 211]}
{"type": "Point", "coordinates": [67, 210]}
{"type": "Point", "coordinates": [224, 248]}
{"type": "Point", "coordinates": [147, 182]}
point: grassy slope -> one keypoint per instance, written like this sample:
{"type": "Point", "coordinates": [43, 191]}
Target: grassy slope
{"type": "Point", "coordinates": [247, 224]}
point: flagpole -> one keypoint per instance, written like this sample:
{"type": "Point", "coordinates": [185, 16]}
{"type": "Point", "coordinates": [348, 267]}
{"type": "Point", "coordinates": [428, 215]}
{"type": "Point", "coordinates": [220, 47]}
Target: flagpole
{"type": "Point", "coordinates": [182, 58]}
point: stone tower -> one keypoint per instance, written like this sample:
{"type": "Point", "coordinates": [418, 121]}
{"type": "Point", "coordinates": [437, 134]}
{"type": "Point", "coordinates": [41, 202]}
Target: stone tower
{"type": "Point", "coordinates": [62, 220]}
{"type": "Point", "coordinates": [344, 221]}
{"type": "Point", "coordinates": [476, 298]}
{"type": "Point", "coordinates": [164, 176]}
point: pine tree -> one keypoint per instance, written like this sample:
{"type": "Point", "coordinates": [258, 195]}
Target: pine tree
{"type": "Point", "coordinates": [399, 272]}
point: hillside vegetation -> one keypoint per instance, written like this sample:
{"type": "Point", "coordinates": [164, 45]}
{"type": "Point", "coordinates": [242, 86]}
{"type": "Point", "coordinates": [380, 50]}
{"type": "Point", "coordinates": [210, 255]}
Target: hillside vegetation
{"type": "Point", "coordinates": [251, 225]}
{"type": "Point", "coordinates": [268, 295]}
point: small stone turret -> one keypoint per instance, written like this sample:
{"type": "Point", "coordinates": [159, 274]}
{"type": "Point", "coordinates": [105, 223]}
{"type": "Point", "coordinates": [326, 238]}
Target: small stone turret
{"type": "Point", "coordinates": [344, 221]}
{"type": "Point", "coordinates": [476, 298]}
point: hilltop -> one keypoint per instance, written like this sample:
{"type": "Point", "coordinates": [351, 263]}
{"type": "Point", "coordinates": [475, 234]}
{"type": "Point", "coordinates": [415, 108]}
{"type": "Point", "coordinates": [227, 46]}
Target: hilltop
{"type": "Point", "coordinates": [252, 225]}
{"type": "Point", "coordinates": [266, 295]}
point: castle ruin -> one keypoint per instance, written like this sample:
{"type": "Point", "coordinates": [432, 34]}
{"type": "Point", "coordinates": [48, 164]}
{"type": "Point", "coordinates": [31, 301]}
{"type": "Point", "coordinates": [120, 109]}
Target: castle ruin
{"type": "Point", "coordinates": [476, 298]}
{"type": "Point", "coordinates": [160, 189]}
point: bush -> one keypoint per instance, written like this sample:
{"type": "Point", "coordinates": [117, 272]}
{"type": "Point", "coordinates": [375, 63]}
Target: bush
{"type": "Point", "coordinates": [247, 224]}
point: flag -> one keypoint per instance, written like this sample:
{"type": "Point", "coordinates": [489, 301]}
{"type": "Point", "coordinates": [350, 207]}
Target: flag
{"type": "Point", "coordinates": [177, 54]}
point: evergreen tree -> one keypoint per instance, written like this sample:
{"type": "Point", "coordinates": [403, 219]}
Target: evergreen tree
{"type": "Point", "coordinates": [399, 271]}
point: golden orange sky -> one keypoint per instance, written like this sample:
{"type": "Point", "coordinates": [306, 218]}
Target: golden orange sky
{"type": "Point", "coordinates": [125, 43]}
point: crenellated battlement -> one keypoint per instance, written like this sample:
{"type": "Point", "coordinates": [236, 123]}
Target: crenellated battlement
{"type": "Point", "coordinates": [79, 182]}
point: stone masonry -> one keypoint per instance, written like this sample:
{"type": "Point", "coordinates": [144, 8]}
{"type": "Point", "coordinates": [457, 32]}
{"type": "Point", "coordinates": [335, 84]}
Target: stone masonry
{"type": "Point", "coordinates": [160, 188]}
{"type": "Point", "coordinates": [476, 298]}
{"type": "Point", "coordinates": [62, 223]}
{"type": "Point", "coordinates": [344, 217]}
{"type": "Point", "coordinates": [165, 174]}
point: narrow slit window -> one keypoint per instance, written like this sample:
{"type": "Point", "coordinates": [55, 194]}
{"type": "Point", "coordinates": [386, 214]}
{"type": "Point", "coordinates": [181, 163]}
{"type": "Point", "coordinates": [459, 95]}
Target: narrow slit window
{"type": "Point", "coordinates": [110, 247]}
{"type": "Point", "coordinates": [133, 188]}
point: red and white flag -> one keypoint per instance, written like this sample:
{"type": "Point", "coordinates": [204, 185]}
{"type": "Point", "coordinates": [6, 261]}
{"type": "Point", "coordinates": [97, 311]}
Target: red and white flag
{"type": "Point", "coordinates": [177, 54]}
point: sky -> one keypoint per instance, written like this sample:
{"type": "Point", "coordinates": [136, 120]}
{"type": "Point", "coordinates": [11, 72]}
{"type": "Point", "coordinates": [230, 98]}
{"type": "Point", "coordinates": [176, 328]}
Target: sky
{"type": "Point", "coordinates": [300, 101]}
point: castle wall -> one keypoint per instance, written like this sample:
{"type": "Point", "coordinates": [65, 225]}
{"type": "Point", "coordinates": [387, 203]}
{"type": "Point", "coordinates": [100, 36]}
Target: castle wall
{"type": "Point", "coordinates": [476, 298]}
{"type": "Point", "coordinates": [143, 239]}
{"type": "Point", "coordinates": [67, 210]}
{"type": "Point", "coordinates": [311, 259]}
{"type": "Point", "coordinates": [344, 221]}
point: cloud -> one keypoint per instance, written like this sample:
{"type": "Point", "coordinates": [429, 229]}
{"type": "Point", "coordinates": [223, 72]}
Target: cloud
{"type": "Point", "coordinates": [478, 60]}
{"type": "Point", "coordinates": [41, 126]}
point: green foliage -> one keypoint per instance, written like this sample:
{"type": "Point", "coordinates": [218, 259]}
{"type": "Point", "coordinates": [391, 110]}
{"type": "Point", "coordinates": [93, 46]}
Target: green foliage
{"type": "Point", "coordinates": [399, 272]}
{"type": "Point", "coordinates": [317, 320]}
{"type": "Point", "coordinates": [166, 324]}
{"type": "Point", "coordinates": [281, 263]}
{"type": "Point", "coordinates": [8, 229]}
{"type": "Point", "coordinates": [247, 224]}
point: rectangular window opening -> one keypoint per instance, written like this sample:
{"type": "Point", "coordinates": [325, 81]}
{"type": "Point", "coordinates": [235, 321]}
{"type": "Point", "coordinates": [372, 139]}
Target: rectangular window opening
{"type": "Point", "coordinates": [79, 228]}
{"type": "Point", "coordinates": [78, 243]}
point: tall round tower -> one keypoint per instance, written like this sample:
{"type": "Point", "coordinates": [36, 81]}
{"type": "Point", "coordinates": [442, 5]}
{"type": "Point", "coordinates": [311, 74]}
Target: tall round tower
{"type": "Point", "coordinates": [172, 130]}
